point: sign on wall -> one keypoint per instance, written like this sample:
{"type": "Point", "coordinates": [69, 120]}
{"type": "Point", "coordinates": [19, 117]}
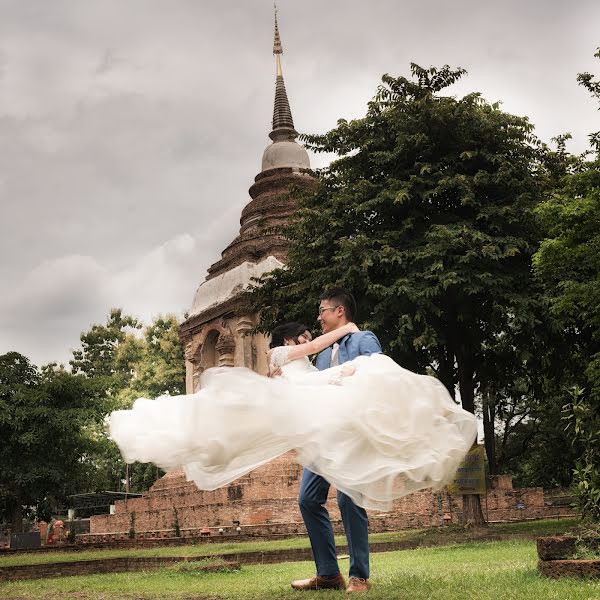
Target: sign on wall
{"type": "Point", "coordinates": [470, 476]}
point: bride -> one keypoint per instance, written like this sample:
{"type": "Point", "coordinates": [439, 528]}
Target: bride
{"type": "Point", "coordinates": [373, 429]}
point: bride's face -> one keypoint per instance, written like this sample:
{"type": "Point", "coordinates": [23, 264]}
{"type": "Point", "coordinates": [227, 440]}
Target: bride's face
{"type": "Point", "coordinates": [303, 338]}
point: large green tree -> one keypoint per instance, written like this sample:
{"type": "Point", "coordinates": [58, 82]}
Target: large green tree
{"type": "Point", "coordinates": [568, 265]}
{"type": "Point", "coordinates": [427, 216]}
{"type": "Point", "coordinates": [45, 444]}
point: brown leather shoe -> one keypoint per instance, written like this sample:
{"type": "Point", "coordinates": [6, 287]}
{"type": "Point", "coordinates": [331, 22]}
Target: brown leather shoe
{"type": "Point", "coordinates": [357, 584]}
{"type": "Point", "coordinates": [320, 583]}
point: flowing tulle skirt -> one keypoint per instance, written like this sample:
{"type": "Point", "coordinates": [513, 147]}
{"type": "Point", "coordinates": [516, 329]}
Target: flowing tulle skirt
{"type": "Point", "coordinates": [384, 432]}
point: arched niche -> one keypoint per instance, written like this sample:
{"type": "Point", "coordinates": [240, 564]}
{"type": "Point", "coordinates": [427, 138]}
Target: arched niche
{"type": "Point", "coordinates": [209, 356]}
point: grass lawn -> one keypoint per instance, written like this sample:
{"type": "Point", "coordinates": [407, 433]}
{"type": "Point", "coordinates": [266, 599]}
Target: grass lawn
{"type": "Point", "coordinates": [443, 535]}
{"type": "Point", "coordinates": [474, 571]}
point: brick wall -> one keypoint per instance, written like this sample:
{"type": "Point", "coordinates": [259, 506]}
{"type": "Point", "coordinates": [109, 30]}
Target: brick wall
{"type": "Point", "coordinates": [265, 503]}
{"type": "Point", "coordinates": [98, 566]}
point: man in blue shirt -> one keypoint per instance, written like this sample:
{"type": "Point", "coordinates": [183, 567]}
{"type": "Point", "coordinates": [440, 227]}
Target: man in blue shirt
{"type": "Point", "coordinates": [337, 308]}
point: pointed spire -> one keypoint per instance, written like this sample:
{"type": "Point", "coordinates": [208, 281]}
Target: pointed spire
{"type": "Point", "coordinates": [277, 47]}
{"type": "Point", "coordinates": [283, 124]}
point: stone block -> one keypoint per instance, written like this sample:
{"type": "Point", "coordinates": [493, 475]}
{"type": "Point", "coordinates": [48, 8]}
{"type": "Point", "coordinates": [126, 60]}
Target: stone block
{"type": "Point", "coordinates": [556, 547]}
{"type": "Point", "coordinates": [569, 568]}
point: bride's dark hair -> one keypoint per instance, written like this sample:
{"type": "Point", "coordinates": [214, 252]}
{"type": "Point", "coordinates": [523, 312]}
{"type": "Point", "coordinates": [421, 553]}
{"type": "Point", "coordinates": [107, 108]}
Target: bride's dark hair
{"type": "Point", "coordinates": [287, 331]}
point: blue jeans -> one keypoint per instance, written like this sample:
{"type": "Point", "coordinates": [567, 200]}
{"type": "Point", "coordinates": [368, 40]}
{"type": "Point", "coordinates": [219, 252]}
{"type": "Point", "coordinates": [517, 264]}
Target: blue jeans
{"type": "Point", "coordinates": [312, 498]}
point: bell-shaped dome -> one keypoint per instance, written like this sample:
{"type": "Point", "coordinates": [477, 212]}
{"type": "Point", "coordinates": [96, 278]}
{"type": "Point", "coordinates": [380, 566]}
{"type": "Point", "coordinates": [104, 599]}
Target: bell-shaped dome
{"type": "Point", "coordinates": [285, 154]}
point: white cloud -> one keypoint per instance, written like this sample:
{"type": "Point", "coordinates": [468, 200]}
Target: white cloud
{"type": "Point", "coordinates": [43, 316]}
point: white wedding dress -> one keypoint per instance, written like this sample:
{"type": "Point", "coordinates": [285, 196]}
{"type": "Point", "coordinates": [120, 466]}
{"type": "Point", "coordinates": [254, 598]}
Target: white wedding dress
{"type": "Point", "coordinates": [378, 434]}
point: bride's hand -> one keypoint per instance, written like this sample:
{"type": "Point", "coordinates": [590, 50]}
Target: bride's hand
{"type": "Point", "coordinates": [352, 328]}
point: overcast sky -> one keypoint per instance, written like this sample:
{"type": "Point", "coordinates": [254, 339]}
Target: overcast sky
{"type": "Point", "coordinates": [131, 131]}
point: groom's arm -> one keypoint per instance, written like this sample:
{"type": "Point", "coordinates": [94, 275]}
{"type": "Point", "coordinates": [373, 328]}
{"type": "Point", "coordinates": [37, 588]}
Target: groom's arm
{"type": "Point", "coordinates": [368, 344]}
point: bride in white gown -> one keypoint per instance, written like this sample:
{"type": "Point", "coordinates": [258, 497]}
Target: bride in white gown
{"type": "Point", "coordinates": [374, 430]}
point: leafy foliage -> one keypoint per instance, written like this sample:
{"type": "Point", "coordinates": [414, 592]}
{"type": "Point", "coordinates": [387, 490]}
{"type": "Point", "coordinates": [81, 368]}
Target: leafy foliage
{"type": "Point", "coordinates": [97, 357]}
{"type": "Point", "coordinates": [583, 425]}
{"type": "Point", "coordinates": [568, 265]}
{"type": "Point", "coordinates": [44, 424]}
{"type": "Point", "coordinates": [133, 365]}
{"type": "Point", "coordinates": [427, 216]}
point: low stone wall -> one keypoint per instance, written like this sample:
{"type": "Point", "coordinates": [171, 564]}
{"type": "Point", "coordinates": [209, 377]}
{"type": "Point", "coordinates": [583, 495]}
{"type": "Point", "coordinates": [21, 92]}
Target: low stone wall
{"type": "Point", "coordinates": [86, 567]}
{"type": "Point", "coordinates": [99, 566]}
{"type": "Point", "coordinates": [265, 531]}
{"type": "Point", "coordinates": [377, 523]}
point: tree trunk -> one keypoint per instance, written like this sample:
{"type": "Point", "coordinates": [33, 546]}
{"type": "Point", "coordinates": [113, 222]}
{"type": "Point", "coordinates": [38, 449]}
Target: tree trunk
{"type": "Point", "coordinates": [489, 435]}
{"type": "Point", "coordinates": [446, 371]}
{"type": "Point", "coordinates": [466, 382]}
{"type": "Point", "coordinates": [472, 513]}
{"type": "Point", "coordinates": [16, 518]}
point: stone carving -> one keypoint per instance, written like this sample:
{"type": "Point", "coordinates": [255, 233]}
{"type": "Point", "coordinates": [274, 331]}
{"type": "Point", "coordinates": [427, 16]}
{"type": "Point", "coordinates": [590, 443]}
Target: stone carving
{"type": "Point", "coordinates": [226, 349]}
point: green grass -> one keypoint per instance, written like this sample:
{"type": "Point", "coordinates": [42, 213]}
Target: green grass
{"type": "Point", "coordinates": [475, 571]}
{"type": "Point", "coordinates": [541, 527]}
{"type": "Point", "coordinates": [450, 534]}
{"type": "Point", "coordinates": [197, 566]}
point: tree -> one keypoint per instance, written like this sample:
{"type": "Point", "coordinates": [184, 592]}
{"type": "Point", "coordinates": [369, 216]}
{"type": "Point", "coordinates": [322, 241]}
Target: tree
{"type": "Point", "coordinates": [427, 216]}
{"type": "Point", "coordinates": [583, 425]}
{"type": "Point", "coordinates": [134, 363]}
{"type": "Point", "coordinates": [568, 265]}
{"type": "Point", "coordinates": [568, 260]}
{"type": "Point", "coordinates": [44, 421]}
{"type": "Point", "coordinates": [158, 364]}
{"type": "Point", "coordinates": [520, 378]}
{"type": "Point", "coordinates": [99, 347]}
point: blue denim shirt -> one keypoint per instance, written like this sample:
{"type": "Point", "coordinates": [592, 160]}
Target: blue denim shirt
{"type": "Point", "coordinates": [362, 343]}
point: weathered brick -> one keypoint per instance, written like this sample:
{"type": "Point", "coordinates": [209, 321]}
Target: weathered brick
{"type": "Point", "coordinates": [265, 503]}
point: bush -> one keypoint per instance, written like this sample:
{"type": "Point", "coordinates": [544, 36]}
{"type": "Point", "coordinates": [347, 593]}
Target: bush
{"type": "Point", "coordinates": [583, 426]}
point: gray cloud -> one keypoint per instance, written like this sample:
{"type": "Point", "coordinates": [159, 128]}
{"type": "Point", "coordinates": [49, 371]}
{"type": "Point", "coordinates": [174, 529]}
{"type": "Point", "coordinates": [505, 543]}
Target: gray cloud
{"type": "Point", "coordinates": [130, 132]}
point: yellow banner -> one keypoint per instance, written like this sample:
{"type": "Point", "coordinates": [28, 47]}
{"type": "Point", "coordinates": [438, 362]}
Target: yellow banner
{"type": "Point", "coordinates": [470, 476]}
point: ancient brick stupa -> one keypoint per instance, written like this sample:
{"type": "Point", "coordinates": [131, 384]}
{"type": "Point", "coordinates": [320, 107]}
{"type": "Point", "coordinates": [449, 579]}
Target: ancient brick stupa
{"type": "Point", "coordinates": [215, 334]}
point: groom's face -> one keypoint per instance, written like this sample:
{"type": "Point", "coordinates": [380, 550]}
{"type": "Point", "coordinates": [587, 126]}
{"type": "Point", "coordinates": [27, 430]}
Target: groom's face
{"type": "Point", "coordinates": [331, 316]}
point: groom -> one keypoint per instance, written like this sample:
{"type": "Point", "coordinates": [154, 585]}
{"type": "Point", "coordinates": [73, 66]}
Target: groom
{"type": "Point", "coordinates": [337, 308]}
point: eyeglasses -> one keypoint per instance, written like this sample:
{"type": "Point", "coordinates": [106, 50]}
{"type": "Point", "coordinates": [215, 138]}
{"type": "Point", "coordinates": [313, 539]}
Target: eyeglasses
{"type": "Point", "coordinates": [324, 308]}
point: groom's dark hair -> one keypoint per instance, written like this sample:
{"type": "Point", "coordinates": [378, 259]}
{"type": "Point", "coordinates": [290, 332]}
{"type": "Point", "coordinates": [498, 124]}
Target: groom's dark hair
{"type": "Point", "coordinates": [341, 297]}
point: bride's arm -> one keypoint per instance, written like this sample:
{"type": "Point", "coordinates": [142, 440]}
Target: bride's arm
{"type": "Point", "coordinates": [332, 376]}
{"type": "Point", "coordinates": [321, 342]}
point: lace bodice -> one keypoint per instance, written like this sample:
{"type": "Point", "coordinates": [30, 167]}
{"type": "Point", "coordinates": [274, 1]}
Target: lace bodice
{"type": "Point", "coordinates": [280, 360]}
{"type": "Point", "coordinates": [300, 370]}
